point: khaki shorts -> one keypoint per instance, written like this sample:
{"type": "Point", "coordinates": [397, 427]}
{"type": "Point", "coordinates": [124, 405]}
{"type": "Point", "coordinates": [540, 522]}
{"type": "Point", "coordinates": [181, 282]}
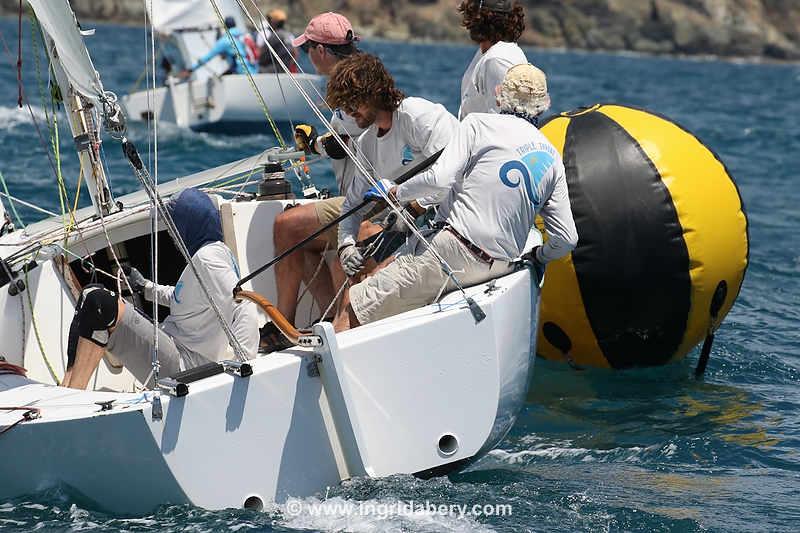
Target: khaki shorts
{"type": "Point", "coordinates": [327, 210]}
{"type": "Point", "coordinates": [132, 342]}
{"type": "Point", "coordinates": [414, 278]}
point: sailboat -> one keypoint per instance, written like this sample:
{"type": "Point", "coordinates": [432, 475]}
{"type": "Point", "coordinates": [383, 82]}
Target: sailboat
{"type": "Point", "coordinates": [425, 392]}
{"type": "Point", "coordinates": [209, 100]}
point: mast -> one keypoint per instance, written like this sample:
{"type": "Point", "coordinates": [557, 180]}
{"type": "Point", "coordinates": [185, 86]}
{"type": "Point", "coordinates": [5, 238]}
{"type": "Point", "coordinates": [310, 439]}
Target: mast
{"type": "Point", "coordinates": [81, 90]}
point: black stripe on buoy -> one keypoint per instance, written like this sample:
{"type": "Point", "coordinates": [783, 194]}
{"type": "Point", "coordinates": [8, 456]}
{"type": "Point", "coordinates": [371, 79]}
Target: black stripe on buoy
{"type": "Point", "coordinates": [631, 262]}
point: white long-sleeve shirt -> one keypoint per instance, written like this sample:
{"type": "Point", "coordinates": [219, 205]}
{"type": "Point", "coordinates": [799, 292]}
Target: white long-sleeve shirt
{"type": "Point", "coordinates": [419, 129]}
{"type": "Point", "coordinates": [500, 172]}
{"type": "Point", "coordinates": [485, 72]}
{"type": "Point", "coordinates": [192, 323]}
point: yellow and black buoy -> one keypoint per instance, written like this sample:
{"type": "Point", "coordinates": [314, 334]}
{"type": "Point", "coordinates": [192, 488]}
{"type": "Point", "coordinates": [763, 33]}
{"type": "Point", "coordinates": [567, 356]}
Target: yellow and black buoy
{"type": "Point", "coordinates": [663, 243]}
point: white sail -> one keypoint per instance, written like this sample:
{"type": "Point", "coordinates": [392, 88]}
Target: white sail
{"type": "Point", "coordinates": [168, 16]}
{"type": "Point", "coordinates": [60, 24]}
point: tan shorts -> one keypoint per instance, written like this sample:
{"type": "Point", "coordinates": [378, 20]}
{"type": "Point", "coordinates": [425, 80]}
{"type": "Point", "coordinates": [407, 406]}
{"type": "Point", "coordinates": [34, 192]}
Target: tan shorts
{"type": "Point", "coordinates": [415, 278]}
{"type": "Point", "coordinates": [327, 210]}
{"type": "Point", "coordinates": [132, 342]}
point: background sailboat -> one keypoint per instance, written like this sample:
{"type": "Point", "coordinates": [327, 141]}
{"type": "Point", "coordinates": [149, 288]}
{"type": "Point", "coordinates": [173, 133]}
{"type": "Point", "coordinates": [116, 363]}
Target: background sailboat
{"type": "Point", "coordinates": [209, 101]}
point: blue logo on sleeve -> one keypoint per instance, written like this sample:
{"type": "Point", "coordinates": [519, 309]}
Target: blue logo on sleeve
{"type": "Point", "coordinates": [176, 294]}
{"type": "Point", "coordinates": [530, 170]}
{"type": "Point", "coordinates": [408, 155]}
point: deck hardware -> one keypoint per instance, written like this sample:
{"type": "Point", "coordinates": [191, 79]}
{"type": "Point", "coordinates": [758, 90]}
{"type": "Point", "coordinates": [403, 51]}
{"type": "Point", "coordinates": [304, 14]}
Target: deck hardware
{"type": "Point", "coordinates": [491, 286]}
{"type": "Point", "coordinates": [309, 340]}
{"type": "Point", "coordinates": [173, 387]}
{"type": "Point", "coordinates": [242, 370]}
{"type": "Point", "coordinates": [105, 406]}
{"type": "Point", "coordinates": [158, 411]}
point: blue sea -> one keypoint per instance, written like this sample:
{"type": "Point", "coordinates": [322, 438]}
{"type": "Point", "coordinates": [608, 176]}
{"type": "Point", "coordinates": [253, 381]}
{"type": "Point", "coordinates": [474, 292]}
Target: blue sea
{"type": "Point", "coordinates": [653, 450]}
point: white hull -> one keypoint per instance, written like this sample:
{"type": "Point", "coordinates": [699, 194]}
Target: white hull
{"type": "Point", "coordinates": [227, 103]}
{"type": "Point", "coordinates": [424, 392]}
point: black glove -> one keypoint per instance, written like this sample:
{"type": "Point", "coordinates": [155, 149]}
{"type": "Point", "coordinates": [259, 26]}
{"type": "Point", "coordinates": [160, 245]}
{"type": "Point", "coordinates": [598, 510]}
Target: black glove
{"type": "Point", "coordinates": [538, 266]}
{"type": "Point", "coordinates": [305, 138]}
{"type": "Point", "coordinates": [135, 279]}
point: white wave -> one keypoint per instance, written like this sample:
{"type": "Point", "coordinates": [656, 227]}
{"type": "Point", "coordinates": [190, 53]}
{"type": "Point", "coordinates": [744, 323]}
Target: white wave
{"type": "Point", "coordinates": [339, 514]}
{"type": "Point", "coordinates": [11, 117]}
{"type": "Point", "coordinates": [565, 450]}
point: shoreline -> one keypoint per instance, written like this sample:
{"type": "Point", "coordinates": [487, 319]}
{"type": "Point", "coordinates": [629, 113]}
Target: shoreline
{"type": "Point", "coordinates": [369, 35]}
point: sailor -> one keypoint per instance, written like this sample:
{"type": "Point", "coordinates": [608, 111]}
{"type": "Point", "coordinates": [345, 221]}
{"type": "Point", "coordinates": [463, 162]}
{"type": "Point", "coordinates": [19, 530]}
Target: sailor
{"type": "Point", "coordinates": [399, 130]}
{"type": "Point", "coordinates": [236, 57]}
{"type": "Point", "coordinates": [495, 25]}
{"type": "Point", "coordinates": [499, 172]}
{"type": "Point", "coordinates": [191, 335]}
{"type": "Point", "coordinates": [327, 40]}
{"type": "Point", "coordinates": [280, 39]}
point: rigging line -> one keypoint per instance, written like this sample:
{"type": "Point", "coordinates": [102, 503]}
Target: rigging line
{"type": "Point", "coordinates": [36, 327]}
{"type": "Point", "coordinates": [253, 85]}
{"type": "Point", "coordinates": [13, 208]}
{"type": "Point", "coordinates": [22, 323]}
{"type": "Point", "coordinates": [155, 365]}
{"type": "Point", "coordinates": [19, 57]}
{"type": "Point", "coordinates": [26, 204]}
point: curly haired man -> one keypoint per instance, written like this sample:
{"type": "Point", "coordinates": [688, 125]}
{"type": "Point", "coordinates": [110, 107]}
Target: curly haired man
{"type": "Point", "coordinates": [495, 25]}
{"type": "Point", "coordinates": [398, 131]}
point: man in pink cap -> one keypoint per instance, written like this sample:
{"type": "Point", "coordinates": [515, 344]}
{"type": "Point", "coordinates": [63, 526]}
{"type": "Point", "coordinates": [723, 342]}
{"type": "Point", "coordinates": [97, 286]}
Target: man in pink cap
{"type": "Point", "coordinates": [327, 39]}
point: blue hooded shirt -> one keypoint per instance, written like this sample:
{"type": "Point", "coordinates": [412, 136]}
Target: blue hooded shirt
{"type": "Point", "coordinates": [196, 218]}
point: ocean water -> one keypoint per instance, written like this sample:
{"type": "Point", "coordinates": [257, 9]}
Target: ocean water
{"type": "Point", "coordinates": [637, 450]}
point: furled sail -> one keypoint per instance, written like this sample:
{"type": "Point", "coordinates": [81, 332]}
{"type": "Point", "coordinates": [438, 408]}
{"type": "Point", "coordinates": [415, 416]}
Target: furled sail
{"type": "Point", "coordinates": [59, 22]}
{"type": "Point", "coordinates": [168, 16]}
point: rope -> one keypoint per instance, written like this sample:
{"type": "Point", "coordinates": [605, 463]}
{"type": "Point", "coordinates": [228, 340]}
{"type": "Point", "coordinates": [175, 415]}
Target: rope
{"type": "Point", "coordinates": [13, 207]}
{"type": "Point", "coordinates": [19, 56]}
{"type": "Point", "coordinates": [36, 328]}
{"type": "Point", "coordinates": [336, 298]}
{"type": "Point", "coordinates": [155, 364]}
{"type": "Point", "coordinates": [22, 323]}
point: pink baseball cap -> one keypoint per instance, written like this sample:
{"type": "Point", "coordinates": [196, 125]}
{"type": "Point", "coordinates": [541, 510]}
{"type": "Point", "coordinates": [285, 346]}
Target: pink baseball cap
{"type": "Point", "coordinates": [327, 28]}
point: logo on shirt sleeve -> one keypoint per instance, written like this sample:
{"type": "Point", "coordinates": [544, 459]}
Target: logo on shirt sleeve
{"type": "Point", "coordinates": [408, 155]}
{"type": "Point", "coordinates": [176, 294]}
{"type": "Point", "coordinates": [529, 170]}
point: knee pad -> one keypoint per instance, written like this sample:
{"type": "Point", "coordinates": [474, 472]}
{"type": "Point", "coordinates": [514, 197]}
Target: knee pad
{"type": "Point", "coordinates": [95, 312]}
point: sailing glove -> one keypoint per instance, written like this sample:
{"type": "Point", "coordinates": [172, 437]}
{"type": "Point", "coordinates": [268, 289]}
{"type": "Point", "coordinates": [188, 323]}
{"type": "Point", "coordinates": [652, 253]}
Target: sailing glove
{"type": "Point", "coordinates": [351, 259]}
{"type": "Point", "coordinates": [535, 259]}
{"type": "Point", "coordinates": [374, 193]}
{"type": "Point", "coordinates": [135, 279]}
{"type": "Point", "coordinates": [305, 138]}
